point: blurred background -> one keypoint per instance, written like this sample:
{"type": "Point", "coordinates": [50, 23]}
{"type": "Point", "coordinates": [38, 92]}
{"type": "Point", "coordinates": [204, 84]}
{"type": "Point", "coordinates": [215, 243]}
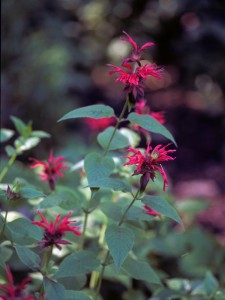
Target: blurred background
{"type": "Point", "coordinates": [54, 56]}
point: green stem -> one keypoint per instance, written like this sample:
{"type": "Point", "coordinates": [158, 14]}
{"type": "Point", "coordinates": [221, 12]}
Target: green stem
{"type": "Point", "coordinates": [117, 125]}
{"type": "Point", "coordinates": [46, 259]}
{"type": "Point", "coordinates": [104, 264]}
{"type": "Point", "coordinates": [5, 219]}
{"type": "Point", "coordinates": [86, 213]}
{"type": "Point", "coordinates": [6, 168]}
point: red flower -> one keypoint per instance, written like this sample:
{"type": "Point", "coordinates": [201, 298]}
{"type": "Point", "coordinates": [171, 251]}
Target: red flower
{"type": "Point", "coordinates": [150, 211]}
{"type": "Point", "coordinates": [149, 163]}
{"type": "Point", "coordinates": [100, 124]}
{"type": "Point", "coordinates": [14, 292]}
{"type": "Point", "coordinates": [54, 231]}
{"type": "Point", "coordinates": [133, 78]}
{"type": "Point", "coordinates": [137, 51]}
{"type": "Point", "coordinates": [142, 109]}
{"type": "Point", "coordinates": [50, 169]}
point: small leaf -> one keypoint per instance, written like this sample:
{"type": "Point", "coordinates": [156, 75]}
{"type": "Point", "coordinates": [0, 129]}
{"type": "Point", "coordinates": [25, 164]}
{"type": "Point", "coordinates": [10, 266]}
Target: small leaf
{"type": "Point", "coordinates": [119, 140]}
{"type": "Point", "coordinates": [21, 127]}
{"type": "Point", "coordinates": [53, 290]}
{"type": "Point", "coordinates": [5, 134]}
{"type": "Point", "coordinates": [97, 167]}
{"type": "Point", "coordinates": [75, 295]}
{"type": "Point", "coordinates": [140, 270]}
{"type": "Point", "coordinates": [163, 207]}
{"type": "Point", "coordinates": [120, 241]}
{"type": "Point", "coordinates": [149, 123]}
{"type": "Point", "coordinates": [29, 193]}
{"type": "Point", "coordinates": [10, 150]}
{"type": "Point", "coordinates": [111, 183]}
{"type": "Point", "coordinates": [76, 264]}
{"type": "Point", "coordinates": [28, 257]}
{"type": "Point", "coordinates": [132, 136]}
{"type": "Point", "coordinates": [28, 144]}
{"type": "Point", "coordinates": [5, 254]}
{"type": "Point", "coordinates": [92, 111]}
{"type": "Point", "coordinates": [40, 134]}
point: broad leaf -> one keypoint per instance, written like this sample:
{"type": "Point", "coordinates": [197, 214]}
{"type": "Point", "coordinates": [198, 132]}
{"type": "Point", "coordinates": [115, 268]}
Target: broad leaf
{"type": "Point", "coordinates": [75, 295]}
{"type": "Point", "coordinates": [111, 183]}
{"type": "Point", "coordinates": [119, 140]}
{"type": "Point", "coordinates": [76, 264]}
{"type": "Point", "coordinates": [28, 257]}
{"type": "Point", "coordinates": [162, 206]}
{"type": "Point", "coordinates": [149, 123]}
{"type": "Point", "coordinates": [5, 134]}
{"type": "Point", "coordinates": [120, 241]}
{"type": "Point", "coordinates": [73, 283]}
{"type": "Point", "coordinates": [92, 111]}
{"type": "Point", "coordinates": [30, 193]}
{"type": "Point", "coordinates": [97, 167]}
{"type": "Point", "coordinates": [53, 290]}
{"type": "Point", "coordinates": [5, 254]}
{"type": "Point", "coordinates": [140, 270]}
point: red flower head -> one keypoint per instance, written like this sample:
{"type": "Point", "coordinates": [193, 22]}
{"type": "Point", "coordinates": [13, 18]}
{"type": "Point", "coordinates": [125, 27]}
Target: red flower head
{"type": "Point", "coordinates": [14, 292]}
{"type": "Point", "coordinates": [54, 231]}
{"type": "Point", "coordinates": [100, 124]}
{"type": "Point", "coordinates": [50, 169]}
{"type": "Point", "coordinates": [149, 163]}
{"type": "Point", "coordinates": [137, 51]}
{"type": "Point", "coordinates": [150, 211]}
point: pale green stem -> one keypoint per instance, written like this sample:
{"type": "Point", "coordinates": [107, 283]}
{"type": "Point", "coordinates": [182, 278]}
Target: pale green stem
{"type": "Point", "coordinates": [5, 219]}
{"type": "Point", "coordinates": [104, 264]}
{"type": "Point", "coordinates": [6, 168]}
{"type": "Point", "coordinates": [86, 213]}
{"type": "Point", "coordinates": [117, 125]}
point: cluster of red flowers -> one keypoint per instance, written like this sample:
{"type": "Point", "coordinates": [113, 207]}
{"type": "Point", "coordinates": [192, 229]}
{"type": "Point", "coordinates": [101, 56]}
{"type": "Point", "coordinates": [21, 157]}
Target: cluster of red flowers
{"type": "Point", "coordinates": [12, 291]}
{"type": "Point", "coordinates": [51, 169]}
{"type": "Point", "coordinates": [54, 231]}
{"type": "Point", "coordinates": [148, 163]}
{"type": "Point", "coordinates": [132, 76]}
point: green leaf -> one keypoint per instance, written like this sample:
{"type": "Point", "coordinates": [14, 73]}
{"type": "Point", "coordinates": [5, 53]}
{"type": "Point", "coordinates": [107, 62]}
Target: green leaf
{"type": "Point", "coordinates": [92, 111]}
{"type": "Point", "coordinates": [29, 193]}
{"type": "Point", "coordinates": [10, 150]}
{"type": "Point", "coordinates": [163, 207]}
{"type": "Point", "coordinates": [53, 290]}
{"type": "Point", "coordinates": [40, 134]}
{"type": "Point", "coordinates": [119, 140]}
{"type": "Point", "coordinates": [74, 282]}
{"type": "Point", "coordinates": [22, 232]}
{"type": "Point", "coordinates": [76, 264]}
{"type": "Point", "coordinates": [132, 136]}
{"type": "Point", "coordinates": [111, 183]}
{"type": "Point", "coordinates": [21, 127]}
{"type": "Point", "coordinates": [97, 166]}
{"type": "Point", "coordinates": [149, 123]}
{"type": "Point", "coordinates": [5, 134]}
{"type": "Point", "coordinates": [28, 257]}
{"type": "Point", "coordinates": [5, 254]}
{"type": "Point", "coordinates": [140, 270]}
{"type": "Point", "coordinates": [120, 241]}
{"type": "Point", "coordinates": [75, 295]}
{"type": "Point", "coordinates": [27, 144]}
{"type": "Point", "coordinates": [208, 287]}
{"type": "Point", "coordinates": [63, 197]}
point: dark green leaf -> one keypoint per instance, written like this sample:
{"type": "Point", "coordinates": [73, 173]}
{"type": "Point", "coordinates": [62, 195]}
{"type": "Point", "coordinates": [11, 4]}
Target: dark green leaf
{"type": "Point", "coordinates": [120, 241]}
{"type": "Point", "coordinates": [149, 123]}
{"type": "Point", "coordinates": [97, 167]}
{"type": "Point", "coordinates": [92, 111]}
{"type": "Point", "coordinates": [119, 140]}
{"type": "Point", "coordinates": [28, 257]}
{"type": "Point", "coordinates": [53, 290]}
{"type": "Point", "coordinates": [140, 270]}
{"type": "Point", "coordinates": [76, 264]}
{"type": "Point", "coordinates": [5, 134]}
{"type": "Point", "coordinates": [74, 295]}
{"type": "Point", "coordinates": [73, 283]}
{"type": "Point", "coordinates": [163, 207]}
{"type": "Point", "coordinates": [111, 183]}
{"type": "Point", "coordinates": [30, 193]}
{"type": "Point", "coordinates": [5, 254]}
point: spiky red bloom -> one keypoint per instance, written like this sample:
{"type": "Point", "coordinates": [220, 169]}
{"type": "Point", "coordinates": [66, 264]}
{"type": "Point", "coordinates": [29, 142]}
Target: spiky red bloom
{"type": "Point", "coordinates": [54, 231]}
{"type": "Point", "coordinates": [100, 124]}
{"type": "Point", "coordinates": [14, 292]}
{"type": "Point", "coordinates": [137, 50]}
{"type": "Point", "coordinates": [150, 211]}
{"type": "Point", "coordinates": [148, 163]}
{"type": "Point", "coordinates": [50, 169]}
